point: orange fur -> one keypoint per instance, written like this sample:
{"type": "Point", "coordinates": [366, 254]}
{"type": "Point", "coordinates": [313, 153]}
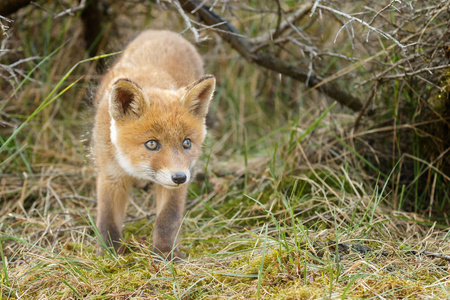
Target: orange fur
{"type": "Point", "coordinates": [150, 125]}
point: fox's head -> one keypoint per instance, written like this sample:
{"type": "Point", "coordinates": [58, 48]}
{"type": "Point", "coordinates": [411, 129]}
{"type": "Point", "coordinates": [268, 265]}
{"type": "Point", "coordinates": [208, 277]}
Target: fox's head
{"type": "Point", "coordinates": [158, 134]}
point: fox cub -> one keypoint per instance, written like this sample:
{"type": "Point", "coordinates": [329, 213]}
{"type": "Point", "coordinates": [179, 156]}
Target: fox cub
{"type": "Point", "coordinates": [150, 125]}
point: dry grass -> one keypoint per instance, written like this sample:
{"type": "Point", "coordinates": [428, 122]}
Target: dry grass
{"type": "Point", "coordinates": [280, 214]}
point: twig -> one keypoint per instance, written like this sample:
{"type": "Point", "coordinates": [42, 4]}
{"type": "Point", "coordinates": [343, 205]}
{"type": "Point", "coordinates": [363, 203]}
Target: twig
{"type": "Point", "coordinates": [6, 19]}
{"type": "Point", "coordinates": [43, 8]}
{"type": "Point", "coordinates": [295, 17]}
{"type": "Point", "coordinates": [429, 253]}
{"type": "Point", "coordinates": [313, 10]}
{"type": "Point", "coordinates": [68, 11]}
{"type": "Point", "coordinates": [351, 18]}
{"type": "Point", "coordinates": [72, 10]}
{"type": "Point", "coordinates": [21, 61]}
{"type": "Point", "coordinates": [381, 10]}
{"type": "Point", "coordinates": [215, 28]}
{"type": "Point", "coordinates": [392, 67]}
{"type": "Point", "coordinates": [395, 76]}
{"type": "Point", "coordinates": [317, 52]}
{"type": "Point", "coordinates": [188, 21]}
{"type": "Point", "coordinates": [78, 197]}
{"type": "Point", "coordinates": [3, 27]}
{"type": "Point", "coordinates": [277, 32]}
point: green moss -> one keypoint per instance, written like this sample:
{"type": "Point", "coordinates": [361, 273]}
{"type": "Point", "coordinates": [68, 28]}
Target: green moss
{"type": "Point", "coordinates": [142, 227]}
{"type": "Point", "coordinates": [205, 246]}
{"type": "Point", "coordinates": [79, 248]}
{"type": "Point", "coordinates": [294, 290]}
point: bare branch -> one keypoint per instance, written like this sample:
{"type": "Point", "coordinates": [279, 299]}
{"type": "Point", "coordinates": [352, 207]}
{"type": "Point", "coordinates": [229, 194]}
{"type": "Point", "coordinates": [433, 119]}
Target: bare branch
{"type": "Point", "coordinates": [188, 21]}
{"type": "Point", "coordinates": [241, 44]}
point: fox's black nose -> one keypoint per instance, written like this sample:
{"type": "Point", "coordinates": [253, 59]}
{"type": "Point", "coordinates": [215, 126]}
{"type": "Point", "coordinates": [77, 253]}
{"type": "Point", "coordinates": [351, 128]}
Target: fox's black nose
{"type": "Point", "coordinates": [179, 178]}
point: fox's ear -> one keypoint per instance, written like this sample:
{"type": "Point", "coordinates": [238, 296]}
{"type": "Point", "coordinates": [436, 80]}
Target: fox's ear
{"type": "Point", "coordinates": [199, 95]}
{"type": "Point", "coordinates": [126, 101]}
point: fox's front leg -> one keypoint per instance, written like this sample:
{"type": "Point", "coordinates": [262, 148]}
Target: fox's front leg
{"type": "Point", "coordinates": [112, 194]}
{"type": "Point", "coordinates": [169, 214]}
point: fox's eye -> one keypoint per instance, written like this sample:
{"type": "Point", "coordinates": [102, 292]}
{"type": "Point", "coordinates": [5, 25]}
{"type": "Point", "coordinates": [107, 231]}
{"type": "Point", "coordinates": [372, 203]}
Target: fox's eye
{"type": "Point", "coordinates": [187, 144]}
{"type": "Point", "coordinates": [152, 145]}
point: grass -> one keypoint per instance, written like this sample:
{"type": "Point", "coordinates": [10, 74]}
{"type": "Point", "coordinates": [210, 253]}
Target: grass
{"type": "Point", "coordinates": [289, 207]}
